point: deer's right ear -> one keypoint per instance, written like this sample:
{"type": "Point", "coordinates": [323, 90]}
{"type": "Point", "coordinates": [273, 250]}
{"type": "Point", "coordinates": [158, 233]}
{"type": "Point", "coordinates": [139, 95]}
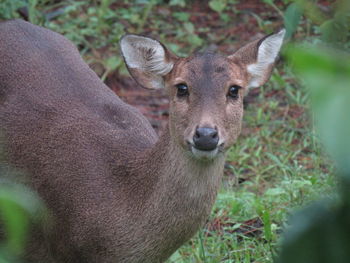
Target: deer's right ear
{"type": "Point", "coordinates": [147, 60]}
{"type": "Point", "coordinates": [259, 57]}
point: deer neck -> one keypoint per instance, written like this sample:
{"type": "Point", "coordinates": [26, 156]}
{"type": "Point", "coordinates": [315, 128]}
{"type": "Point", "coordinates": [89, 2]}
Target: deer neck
{"type": "Point", "coordinates": [179, 180]}
{"type": "Point", "coordinates": [181, 193]}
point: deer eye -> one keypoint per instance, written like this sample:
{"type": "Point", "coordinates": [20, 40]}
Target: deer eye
{"type": "Point", "coordinates": [182, 90]}
{"type": "Point", "coordinates": [233, 91]}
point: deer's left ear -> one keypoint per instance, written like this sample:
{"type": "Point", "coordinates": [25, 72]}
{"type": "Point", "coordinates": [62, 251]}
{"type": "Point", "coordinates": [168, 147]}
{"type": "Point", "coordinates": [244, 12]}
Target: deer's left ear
{"type": "Point", "coordinates": [147, 60]}
{"type": "Point", "coordinates": [259, 57]}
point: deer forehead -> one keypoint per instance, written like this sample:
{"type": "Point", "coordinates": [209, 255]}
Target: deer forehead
{"type": "Point", "coordinates": [207, 71]}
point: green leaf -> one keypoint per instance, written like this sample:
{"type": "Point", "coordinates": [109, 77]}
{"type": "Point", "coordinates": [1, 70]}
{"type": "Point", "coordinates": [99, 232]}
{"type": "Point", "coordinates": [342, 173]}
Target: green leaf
{"type": "Point", "coordinates": [292, 18]}
{"type": "Point", "coordinates": [326, 72]}
{"type": "Point", "coordinates": [3, 259]}
{"type": "Point", "coordinates": [267, 225]}
{"type": "Point", "coordinates": [113, 62]}
{"type": "Point", "coordinates": [181, 16]}
{"type": "Point", "coordinates": [269, 2]}
{"type": "Point", "coordinates": [218, 5]}
{"type": "Point", "coordinates": [225, 17]}
{"type": "Point", "coordinates": [195, 40]}
{"type": "Point", "coordinates": [181, 3]}
{"type": "Point", "coordinates": [189, 27]}
{"type": "Point", "coordinates": [176, 257]}
{"type": "Point", "coordinates": [16, 224]}
{"type": "Point", "coordinates": [336, 29]}
{"type": "Point", "coordinates": [318, 234]}
{"type": "Point", "coordinates": [275, 191]}
{"type": "Point", "coordinates": [18, 205]}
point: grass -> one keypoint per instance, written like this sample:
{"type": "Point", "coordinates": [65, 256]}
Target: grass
{"type": "Point", "coordinates": [277, 164]}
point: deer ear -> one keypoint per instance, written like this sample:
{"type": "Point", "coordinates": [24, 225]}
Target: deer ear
{"type": "Point", "coordinates": [259, 57]}
{"type": "Point", "coordinates": [147, 60]}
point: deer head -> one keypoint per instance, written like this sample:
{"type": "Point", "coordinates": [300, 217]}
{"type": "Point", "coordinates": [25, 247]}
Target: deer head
{"type": "Point", "coordinates": [205, 89]}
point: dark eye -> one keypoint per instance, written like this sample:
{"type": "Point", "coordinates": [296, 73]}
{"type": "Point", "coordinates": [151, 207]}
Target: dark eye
{"type": "Point", "coordinates": [182, 90]}
{"type": "Point", "coordinates": [233, 91]}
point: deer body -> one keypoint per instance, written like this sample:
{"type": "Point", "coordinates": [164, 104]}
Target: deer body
{"type": "Point", "coordinates": [116, 192]}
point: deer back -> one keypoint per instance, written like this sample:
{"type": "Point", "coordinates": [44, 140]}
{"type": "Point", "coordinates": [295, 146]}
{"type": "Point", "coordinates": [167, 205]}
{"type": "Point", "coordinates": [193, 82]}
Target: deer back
{"type": "Point", "coordinates": [67, 130]}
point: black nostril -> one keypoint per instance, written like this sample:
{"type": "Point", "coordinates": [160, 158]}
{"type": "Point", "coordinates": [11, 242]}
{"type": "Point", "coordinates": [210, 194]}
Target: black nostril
{"type": "Point", "coordinates": [206, 139]}
{"type": "Point", "coordinates": [197, 134]}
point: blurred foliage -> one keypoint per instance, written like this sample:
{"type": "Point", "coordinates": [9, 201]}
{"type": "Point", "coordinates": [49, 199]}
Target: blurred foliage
{"type": "Point", "coordinates": [19, 208]}
{"type": "Point", "coordinates": [320, 233]}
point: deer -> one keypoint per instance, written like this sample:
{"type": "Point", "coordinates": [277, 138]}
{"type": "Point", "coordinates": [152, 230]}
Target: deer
{"type": "Point", "coordinates": [115, 191]}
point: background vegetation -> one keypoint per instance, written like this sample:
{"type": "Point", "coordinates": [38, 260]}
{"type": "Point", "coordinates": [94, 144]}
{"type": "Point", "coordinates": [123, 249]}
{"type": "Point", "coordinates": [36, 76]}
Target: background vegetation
{"type": "Point", "coordinates": [278, 164]}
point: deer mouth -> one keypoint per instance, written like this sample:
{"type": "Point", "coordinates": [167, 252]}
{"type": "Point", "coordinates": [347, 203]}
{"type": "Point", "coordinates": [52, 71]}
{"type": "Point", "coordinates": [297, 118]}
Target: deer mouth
{"type": "Point", "coordinates": [200, 154]}
{"type": "Point", "coordinates": [205, 154]}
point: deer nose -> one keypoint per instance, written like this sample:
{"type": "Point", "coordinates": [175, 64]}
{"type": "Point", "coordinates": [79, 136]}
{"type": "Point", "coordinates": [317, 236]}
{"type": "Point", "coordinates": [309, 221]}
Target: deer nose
{"type": "Point", "coordinates": [206, 139]}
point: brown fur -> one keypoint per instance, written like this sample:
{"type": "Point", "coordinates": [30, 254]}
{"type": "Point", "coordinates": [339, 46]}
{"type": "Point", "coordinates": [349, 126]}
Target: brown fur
{"type": "Point", "coordinates": [115, 191]}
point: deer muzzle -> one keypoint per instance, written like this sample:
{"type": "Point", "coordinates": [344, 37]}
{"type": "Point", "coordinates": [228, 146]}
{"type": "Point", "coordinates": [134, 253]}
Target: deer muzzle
{"type": "Point", "coordinates": [205, 143]}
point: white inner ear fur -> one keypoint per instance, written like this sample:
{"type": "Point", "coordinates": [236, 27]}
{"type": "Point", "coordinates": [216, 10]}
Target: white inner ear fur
{"type": "Point", "coordinates": [145, 54]}
{"type": "Point", "coordinates": [267, 54]}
